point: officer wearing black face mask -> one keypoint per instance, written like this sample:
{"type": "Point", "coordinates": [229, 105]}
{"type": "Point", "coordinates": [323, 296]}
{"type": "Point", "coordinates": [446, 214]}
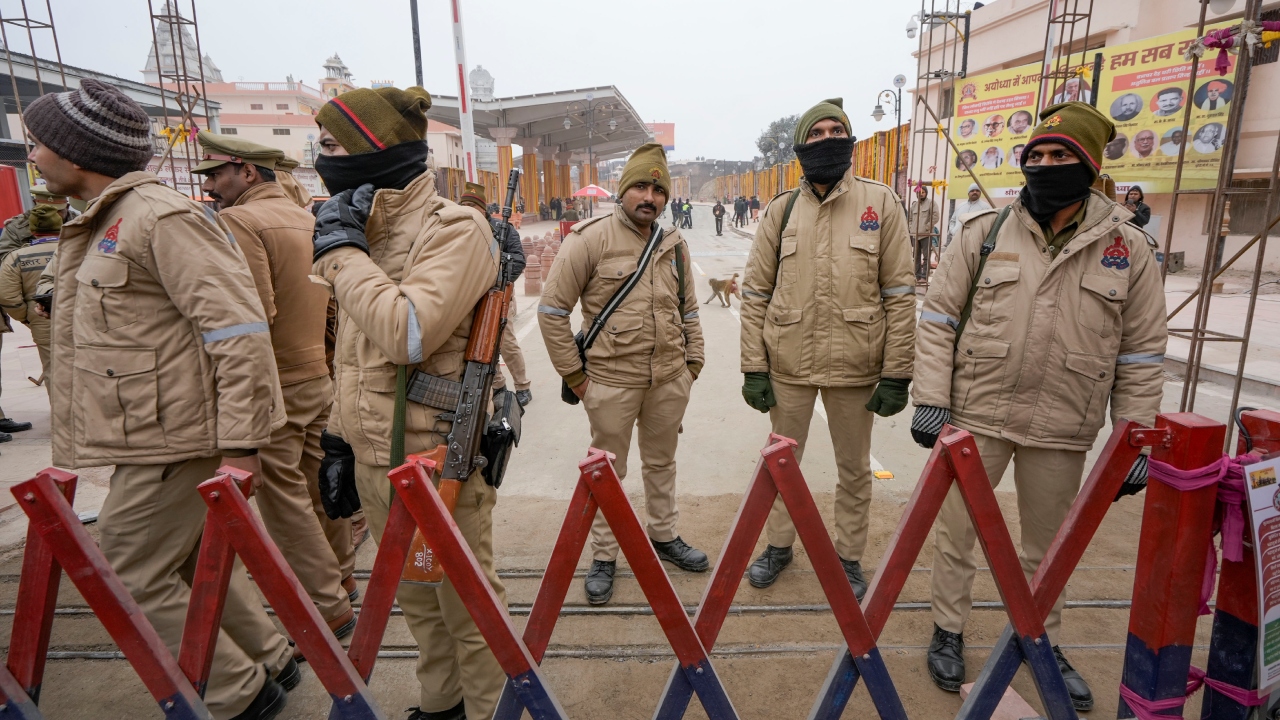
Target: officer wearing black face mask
{"type": "Point", "coordinates": [828, 305]}
{"type": "Point", "coordinates": [1037, 315]}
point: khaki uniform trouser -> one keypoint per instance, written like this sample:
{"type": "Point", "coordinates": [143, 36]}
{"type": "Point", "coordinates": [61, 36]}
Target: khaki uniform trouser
{"type": "Point", "coordinates": [40, 335]}
{"type": "Point", "coordinates": [849, 423]}
{"type": "Point", "coordinates": [514, 359]}
{"type": "Point", "coordinates": [150, 525]}
{"type": "Point", "coordinates": [291, 466]}
{"type": "Point", "coordinates": [658, 411]}
{"type": "Point", "coordinates": [1047, 482]}
{"type": "Point", "coordinates": [2, 415]}
{"type": "Point", "coordinates": [454, 661]}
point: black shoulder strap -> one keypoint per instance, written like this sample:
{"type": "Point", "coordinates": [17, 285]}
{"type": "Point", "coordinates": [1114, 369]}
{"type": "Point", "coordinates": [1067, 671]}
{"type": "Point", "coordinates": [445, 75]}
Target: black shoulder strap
{"type": "Point", "coordinates": [786, 217]}
{"type": "Point", "coordinates": [655, 239]}
{"type": "Point", "coordinates": [988, 246]}
{"type": "Point", "coordinates": [680, 279]}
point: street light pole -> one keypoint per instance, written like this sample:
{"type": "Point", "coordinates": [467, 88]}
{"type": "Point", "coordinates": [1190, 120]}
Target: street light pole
{"type": "Point", "coordinates": [878, 114]}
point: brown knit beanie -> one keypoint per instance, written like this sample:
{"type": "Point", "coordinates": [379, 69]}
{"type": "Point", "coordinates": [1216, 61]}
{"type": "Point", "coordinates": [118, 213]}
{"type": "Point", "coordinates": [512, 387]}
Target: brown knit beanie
{"type": "Point", "coordinates": [367, 120]}
{"type": "Point", "coordinates": [1077, 125]}
{"type": "Point", "coordinates": [96, 127]}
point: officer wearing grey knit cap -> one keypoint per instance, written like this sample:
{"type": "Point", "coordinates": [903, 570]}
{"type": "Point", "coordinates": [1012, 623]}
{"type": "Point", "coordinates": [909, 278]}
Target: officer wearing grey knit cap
{"type": "Point", "coordinates": [174, 376]}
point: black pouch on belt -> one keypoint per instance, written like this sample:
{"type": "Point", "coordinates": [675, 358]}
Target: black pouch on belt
{"type": "Point", "coordinates": [500, 435]}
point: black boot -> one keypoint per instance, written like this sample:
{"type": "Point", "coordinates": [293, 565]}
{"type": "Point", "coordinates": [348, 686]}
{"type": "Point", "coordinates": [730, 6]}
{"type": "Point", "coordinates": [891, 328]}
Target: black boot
{"type": "Point", "coordinates": [457, 712]}
{"type": "Point", "coordinates": [768, 566]}
{"type": "Point", "coordinates": [853, 571]}
{"type": "Point", "coordinates": [679, 553]}
{"type": "Point", "coordinates": [524, 397]}
{"type": "Point", "coordinates": [946, 659]}
{"type": "Point", "coordinates": [9, 425]}
{"type": "Point", "coordinates": [599, 581]}
{"type": "Point", "coordinates": [1077, 688]}
{"type": "Point", "coordinates": [290, 675]}
{"type": "Point", "coordinates": [269, 702]}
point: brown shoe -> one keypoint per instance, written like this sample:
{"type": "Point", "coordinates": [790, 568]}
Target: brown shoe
{"type": "Point", "coordinates": [344, 624]}
{"type": "Point", "coordinates": [359, 531]}
{"type": "Point", "coordinates": [349, 584]}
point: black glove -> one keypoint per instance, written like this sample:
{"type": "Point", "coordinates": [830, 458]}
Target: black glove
{"type": "Point", "coordinates": [340, 221]}
{"type": "Point", "coordinates": [927, 424]}
{"type": "Point", "coordinates": [1136, 481]}
{"type": "Point", "coordinates": [338, 477]}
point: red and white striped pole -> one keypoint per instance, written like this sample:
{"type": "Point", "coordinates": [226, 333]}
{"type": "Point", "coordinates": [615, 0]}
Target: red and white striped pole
{"type": "Point", "coordinates": [468, 127]}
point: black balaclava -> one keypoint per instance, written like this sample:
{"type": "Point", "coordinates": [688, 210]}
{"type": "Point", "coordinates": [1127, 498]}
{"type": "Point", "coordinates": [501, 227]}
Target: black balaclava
{"type": "Point", "coordinates": [393, 168]}
{"type": "Point", "coordinates": [1050, 188]}
{"type": "Point", "coordinates": [826, 161]}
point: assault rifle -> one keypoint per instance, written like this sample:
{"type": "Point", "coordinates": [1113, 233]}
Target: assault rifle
{"type": "Point", "coordinates": [473, 441]}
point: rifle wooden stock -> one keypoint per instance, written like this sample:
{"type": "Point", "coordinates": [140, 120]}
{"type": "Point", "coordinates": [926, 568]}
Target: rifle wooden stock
{"type": "Point", "coordinates": [421, 566]}
{"type": "Point", "coordinates": [486, 326]}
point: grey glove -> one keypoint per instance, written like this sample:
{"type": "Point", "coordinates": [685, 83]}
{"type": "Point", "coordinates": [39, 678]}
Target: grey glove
{"type": "Point", "coordinates": [1136, 481]}
{"type": "Point", "coordinates": [927, 424]}
{"type": "Point", "coordinates": [341, 220]}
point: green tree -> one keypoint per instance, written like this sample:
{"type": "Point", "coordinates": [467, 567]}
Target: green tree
{"type": "Point", "coordinates": [774, 142]}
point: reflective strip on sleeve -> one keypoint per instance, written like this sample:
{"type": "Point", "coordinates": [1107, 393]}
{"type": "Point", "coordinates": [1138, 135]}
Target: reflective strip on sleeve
{"type": "Point", "coordinates": [1140, 359]}
{"type": "Point", "coordinates": [227, 333]}
{"type": "Point", "coordinates": [691, 315]}
{"type": "Point", "coordinates": [753, 293]}
{"type": "Point", "coordinates": [548, 310]}
{"type": "Point", "coordinates": [940, 318]}
{"type": "Point", "coordinates": [900, 290]}
{"type": "Point", "coordinates": [415, 334]}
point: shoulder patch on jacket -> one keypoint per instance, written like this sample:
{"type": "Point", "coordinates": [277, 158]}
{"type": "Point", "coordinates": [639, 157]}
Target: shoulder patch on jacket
{"type": "Point", "coordinates": [584, 224]}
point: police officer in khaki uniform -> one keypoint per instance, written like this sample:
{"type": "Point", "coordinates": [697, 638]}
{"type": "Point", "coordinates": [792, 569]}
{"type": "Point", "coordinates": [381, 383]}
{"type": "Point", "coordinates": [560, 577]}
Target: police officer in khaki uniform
{"type": "Point", "coordinates": [1069, 311]}
{"type": "Point", "coordinates": [20, 274]}
{"type": "Point", "coordinates": [159, 372]}
{"type": "Point", "coordinates": [275, 236]}
{"type": "Point", "coordinates": [828, 305]}
{"type": "Point", "coordinates": [641, 367]}
{"type": "Point", "coordinates": [17, 234]}
{"type": "Point", "coordinates": [407, 267]}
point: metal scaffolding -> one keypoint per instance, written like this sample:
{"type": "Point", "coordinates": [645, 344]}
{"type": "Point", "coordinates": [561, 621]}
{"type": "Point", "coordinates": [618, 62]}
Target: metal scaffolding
{"type": "Point", "coordinates": [22, 18]}
{"type": "Point", "coordinates": [1061, 34]}
{"type": "Point", "coordinates": [185, 77]}
{"type": "Point", "coordinates": [940, 25]}
{"type": "Point", "coordinates": [1219, 198]}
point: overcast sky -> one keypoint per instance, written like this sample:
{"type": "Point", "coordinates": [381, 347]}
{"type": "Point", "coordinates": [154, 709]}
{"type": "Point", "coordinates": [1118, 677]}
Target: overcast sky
{"type": "Point", "coordinates": [720, 70]}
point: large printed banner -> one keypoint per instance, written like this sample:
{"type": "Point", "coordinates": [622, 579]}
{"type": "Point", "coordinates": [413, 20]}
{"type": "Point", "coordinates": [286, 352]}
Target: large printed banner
{"type": "Point", "coordinates": [994, 115]}
{"type": "Point", "coordinates": [1143, 88]}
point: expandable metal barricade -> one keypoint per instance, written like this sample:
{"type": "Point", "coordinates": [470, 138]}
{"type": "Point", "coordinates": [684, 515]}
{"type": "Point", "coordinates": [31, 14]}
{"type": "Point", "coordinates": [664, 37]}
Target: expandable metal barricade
{"type": "Point", "coordinates": [1177, 527]}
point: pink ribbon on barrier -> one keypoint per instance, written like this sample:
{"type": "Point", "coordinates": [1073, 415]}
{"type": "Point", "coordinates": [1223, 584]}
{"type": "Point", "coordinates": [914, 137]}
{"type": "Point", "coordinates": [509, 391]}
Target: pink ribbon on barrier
{"type": "Point", "coordinates": [1224, 40]}
{"type": "Point", "coordinates": [1145, 709]}
{"type": "Point", "coordinates": [1228, 474]}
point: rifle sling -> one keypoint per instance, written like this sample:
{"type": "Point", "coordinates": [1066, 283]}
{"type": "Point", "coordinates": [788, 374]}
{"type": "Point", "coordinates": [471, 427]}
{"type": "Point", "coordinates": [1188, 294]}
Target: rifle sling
{"type": "Point", "coordinates": [655, 239]}
{"type": "Point", "coordinates": [988, 246]}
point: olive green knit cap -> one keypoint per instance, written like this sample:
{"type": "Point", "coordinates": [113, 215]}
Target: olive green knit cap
{"type": "Point", "coordinates": [1077, 125]}
{"type": "Point", "coordinates": [45, 220]}
{"type": "Point", "coordinates": [830, 108]}
{"type": "Point", "coordinates": [366, 120]}
{"type": "Point", "coordinates": [648, 164]}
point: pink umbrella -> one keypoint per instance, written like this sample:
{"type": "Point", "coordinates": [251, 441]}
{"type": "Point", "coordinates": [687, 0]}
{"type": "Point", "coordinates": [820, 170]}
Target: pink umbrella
{"type": "Point", "coordinates": [594, 191]}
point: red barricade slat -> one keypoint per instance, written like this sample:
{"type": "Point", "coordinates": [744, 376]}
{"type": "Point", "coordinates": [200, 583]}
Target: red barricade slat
{"type": "Point", "coordinates": [230, 510]}
{"type": "Point", "coordinates": [52, 516]}
{"type": "Point", "coordinates": [37, 599]}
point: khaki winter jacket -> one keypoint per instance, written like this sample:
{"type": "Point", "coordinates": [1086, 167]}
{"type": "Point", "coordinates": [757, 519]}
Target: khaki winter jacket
{"type": "Point", "coordinates": [409, 301]}
{"type": "Point", "coordinates": [922, 217]}
{"type": "Point", "coordinates": [840, 312]}
{"type": "Point", "coordinates": [650, 338]}
{"type": "Point", "coordinates": [276, 238]}
{"type": "Point", "coordinates": [1048, 341]}
{"type": "Point", "coordinates": [161, 352]}
{"type": "Point", "coordinates": [19, 276]}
